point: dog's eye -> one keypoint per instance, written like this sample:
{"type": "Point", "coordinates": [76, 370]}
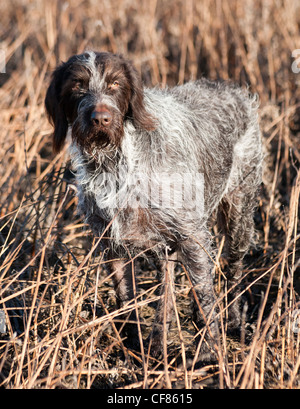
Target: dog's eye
{"type": "Point", "coordinates": [114, 85]}
{"type": "Point", "coordinates": [78, 84]}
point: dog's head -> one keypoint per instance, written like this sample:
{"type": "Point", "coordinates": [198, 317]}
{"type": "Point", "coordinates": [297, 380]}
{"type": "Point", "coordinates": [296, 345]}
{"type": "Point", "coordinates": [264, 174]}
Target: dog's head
{"type": "Point", "coordinates": [95, 93]}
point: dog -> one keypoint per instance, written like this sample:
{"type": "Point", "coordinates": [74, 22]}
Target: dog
{"type": "Point", "coordinates": [152, 166]}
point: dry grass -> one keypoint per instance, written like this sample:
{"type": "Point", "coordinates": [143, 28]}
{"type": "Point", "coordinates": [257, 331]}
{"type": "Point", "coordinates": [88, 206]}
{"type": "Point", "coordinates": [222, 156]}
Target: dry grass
{"type": "Point", "coordinates": [58, 301]}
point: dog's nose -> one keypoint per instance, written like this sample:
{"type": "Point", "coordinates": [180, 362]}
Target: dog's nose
{"type": "Point", "coordinates": [102, 117]}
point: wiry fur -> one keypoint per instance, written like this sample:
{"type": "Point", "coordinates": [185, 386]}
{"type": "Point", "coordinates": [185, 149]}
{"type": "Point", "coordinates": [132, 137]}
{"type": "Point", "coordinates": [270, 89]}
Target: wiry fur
{"type": "Point", "coordinates": [200, 128]}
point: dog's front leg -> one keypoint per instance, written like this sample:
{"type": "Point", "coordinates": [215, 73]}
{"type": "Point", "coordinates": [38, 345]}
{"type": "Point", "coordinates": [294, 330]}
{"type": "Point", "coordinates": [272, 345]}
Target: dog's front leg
{"type": "Point", "coordinates": [196, 259]}
{"type": "Point", "coordinates": [123, 277]}
{"type": "Point", "coordinates": [165, 306]}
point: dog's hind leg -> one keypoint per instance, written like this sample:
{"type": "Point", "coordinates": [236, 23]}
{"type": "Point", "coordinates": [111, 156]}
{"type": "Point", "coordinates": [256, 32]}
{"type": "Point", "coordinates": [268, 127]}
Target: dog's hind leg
{"type": "Point", "coordinates": [235, 221]}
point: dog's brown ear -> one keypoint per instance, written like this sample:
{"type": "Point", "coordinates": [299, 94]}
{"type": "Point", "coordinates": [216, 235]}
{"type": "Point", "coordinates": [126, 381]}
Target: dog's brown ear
{"type": "Point", "coordinates": [54, 108]}
{"type": "Point", "coordinates": [141, 117]}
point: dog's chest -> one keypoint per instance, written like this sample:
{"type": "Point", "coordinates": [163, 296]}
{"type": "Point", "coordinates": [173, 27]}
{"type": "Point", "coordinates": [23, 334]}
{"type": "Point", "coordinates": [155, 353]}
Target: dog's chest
{"type": "Point", "coordinates": [110, 198]}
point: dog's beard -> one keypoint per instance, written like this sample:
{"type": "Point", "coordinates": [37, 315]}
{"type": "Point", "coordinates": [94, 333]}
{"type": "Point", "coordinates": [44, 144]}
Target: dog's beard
{"type": "Point", "coordinates": [92, 140]}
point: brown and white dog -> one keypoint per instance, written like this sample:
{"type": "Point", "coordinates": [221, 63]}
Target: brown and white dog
{"type": "Point", "coordinates": [152, 166]}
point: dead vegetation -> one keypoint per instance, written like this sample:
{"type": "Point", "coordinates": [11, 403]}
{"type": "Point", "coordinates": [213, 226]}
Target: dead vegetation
{"type": "Point", "coordinates": [57, 300]}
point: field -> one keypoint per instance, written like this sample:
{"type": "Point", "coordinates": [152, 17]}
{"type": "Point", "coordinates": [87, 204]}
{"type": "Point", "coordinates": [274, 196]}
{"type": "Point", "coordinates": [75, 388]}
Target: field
{"type": "Point", "coordinates": [57, 304]}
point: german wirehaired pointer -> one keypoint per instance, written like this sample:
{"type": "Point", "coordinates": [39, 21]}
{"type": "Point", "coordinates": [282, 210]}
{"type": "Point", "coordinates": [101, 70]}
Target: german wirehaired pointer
{"type": "Point", "coordinates": [152, 165]}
